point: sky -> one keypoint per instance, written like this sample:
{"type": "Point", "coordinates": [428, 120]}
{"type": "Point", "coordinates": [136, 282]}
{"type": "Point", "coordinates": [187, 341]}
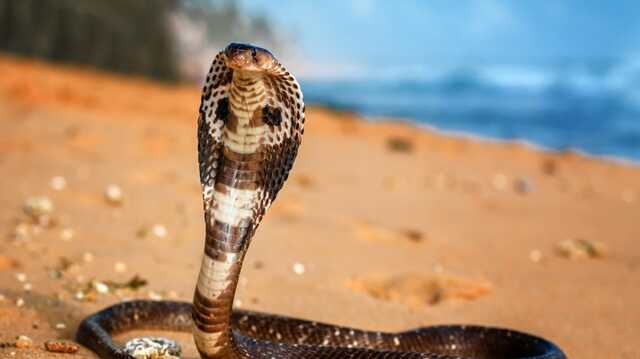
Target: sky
{"type": "Point", "coordinates": [342, 35]}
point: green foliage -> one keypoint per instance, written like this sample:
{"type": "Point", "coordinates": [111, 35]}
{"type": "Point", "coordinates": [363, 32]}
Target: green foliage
{"type": "Point", "coordinates": [131, 36]}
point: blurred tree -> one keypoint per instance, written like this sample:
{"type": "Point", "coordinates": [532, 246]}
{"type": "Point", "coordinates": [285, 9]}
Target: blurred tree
{"type": "Point", "coordinates": [226, 22]}
{"type": "Point", "coordinates": [131, 36]}
{"type": "Point", "coordinates": [121, 35]}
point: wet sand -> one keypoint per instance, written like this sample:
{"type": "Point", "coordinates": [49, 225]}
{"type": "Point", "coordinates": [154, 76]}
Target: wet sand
{"type": "Point", "coordinates": [381, 226]}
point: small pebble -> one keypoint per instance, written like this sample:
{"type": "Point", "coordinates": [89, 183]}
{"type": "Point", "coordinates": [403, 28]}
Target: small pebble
{"type": "Point", "coordinates": [581, 248]}
{"type": "Point", "coordinates": [113, 195]}
{"type": "Point", "coordinates": [304, 180]}
{"type": "Point", "coordinates": [142, 232]}
{"type": "Point", "coordinates": [120, 267]}
{"type": "Point", "coordinates": [61, 326]}
{"type": "Point", "coordinates": [19, 302]}
{"type": "Point", "coordinates": [159, 230]}
{"type": "Point", "coordinates": [414, 235]}
{"type": "Point", "coordinates": [58, 183]}
{"type": "Point", "coordinates": [2, 297]}
{"type": "Point", "coordinates": [87, 257]}
{"type": "Point", "coordinates": [400, 144]}
{"type": "Point", "coordinates": [66, 234]}
{"type": "Point", "coordinates": [535, 255]}
{"type": "Point", "coordinates": [27, 287]}
{"type": "Point", "coordinates": [61, 346]}
{"type": "Point", "coordinates": [154, 296]}
{"type": "Point", "coordinates": [36, 207]}
{"type": "Point", "coordinates": [101, 287]}
{"type": "Point", "coordinates": [23, 341]}
{"type": "Point", "coordinates": [298, 268]}
{"type": "Point", "coordinates": [21, 277]}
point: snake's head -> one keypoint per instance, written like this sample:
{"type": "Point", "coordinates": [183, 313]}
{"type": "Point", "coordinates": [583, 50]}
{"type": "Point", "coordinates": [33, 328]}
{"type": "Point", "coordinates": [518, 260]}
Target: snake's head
{"type": "Point", "coordinates": [251, 58]}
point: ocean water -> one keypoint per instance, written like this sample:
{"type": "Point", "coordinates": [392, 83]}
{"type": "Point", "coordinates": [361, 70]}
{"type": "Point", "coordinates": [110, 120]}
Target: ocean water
{"type": "Point", "coordinates": [592, 108]}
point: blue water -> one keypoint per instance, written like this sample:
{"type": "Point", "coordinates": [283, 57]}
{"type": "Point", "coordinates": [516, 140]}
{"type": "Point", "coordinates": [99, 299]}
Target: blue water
{"type": "Point", "coordinates": [590, 108]}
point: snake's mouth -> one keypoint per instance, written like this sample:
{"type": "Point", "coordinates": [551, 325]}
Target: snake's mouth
{"type": "Point", "coordinates": [245, 57]}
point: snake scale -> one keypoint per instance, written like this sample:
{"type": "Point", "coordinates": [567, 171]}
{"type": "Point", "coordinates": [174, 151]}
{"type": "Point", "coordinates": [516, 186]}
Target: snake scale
{"type": "Point", "coordinates": [250, 125]}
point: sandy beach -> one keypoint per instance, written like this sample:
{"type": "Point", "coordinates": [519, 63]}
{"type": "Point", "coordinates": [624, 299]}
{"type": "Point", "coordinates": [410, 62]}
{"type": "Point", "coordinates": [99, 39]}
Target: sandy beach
{"type": "Point", "coordinates": [381, 225]}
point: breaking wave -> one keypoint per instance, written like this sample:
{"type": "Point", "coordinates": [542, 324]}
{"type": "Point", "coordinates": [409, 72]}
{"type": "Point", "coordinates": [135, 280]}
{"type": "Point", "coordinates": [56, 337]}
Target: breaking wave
{"type": "Point", "coordinates": [593, 108]}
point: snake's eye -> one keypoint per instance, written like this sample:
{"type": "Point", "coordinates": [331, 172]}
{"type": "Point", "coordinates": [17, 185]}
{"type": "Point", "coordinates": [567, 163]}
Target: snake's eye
{"type": "Point", "coordinates": [263, 59]}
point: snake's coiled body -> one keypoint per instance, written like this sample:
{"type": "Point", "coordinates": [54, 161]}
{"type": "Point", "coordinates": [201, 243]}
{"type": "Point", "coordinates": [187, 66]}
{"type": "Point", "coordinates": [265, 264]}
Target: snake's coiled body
{"type": "Point", "coordinates": [249, 130]}
{"type": "Point", "coordinates": [258, 335]}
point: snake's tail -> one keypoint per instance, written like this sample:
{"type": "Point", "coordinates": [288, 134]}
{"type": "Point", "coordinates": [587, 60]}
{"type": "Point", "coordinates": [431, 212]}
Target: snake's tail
{"type": "Point", "coordinates": [480, 342]}
{"type": "Point", "coordinates": [95, 331]}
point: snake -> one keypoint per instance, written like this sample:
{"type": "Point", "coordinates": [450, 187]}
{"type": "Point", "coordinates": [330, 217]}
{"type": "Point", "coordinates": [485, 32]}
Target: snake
{"type": "Point", "coordinates": [250, 126]}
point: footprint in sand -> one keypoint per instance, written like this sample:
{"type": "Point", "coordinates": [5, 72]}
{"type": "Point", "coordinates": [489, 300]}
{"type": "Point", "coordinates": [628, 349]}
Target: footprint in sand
{"type": "Point", "coordinates": [369, 232]}
{"type": "Point", "coordinates": [304, 181]}
{"type": "Point", "coordinates": [418, 291]}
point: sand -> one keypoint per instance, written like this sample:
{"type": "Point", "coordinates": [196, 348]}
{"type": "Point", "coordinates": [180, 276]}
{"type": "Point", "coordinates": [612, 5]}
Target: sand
{"type": "Point", "coordinates": [382, 225]}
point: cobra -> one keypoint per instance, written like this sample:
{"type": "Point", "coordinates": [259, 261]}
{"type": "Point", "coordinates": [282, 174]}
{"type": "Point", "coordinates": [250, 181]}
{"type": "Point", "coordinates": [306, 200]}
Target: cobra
{"type": "Point", "coordinates": [250, 126]}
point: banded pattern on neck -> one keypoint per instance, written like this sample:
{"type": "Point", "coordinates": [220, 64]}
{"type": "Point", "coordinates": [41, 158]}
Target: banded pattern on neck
{"type": "Point", "coordinates": [245, 130]}
{"type": "Point", "coordinates": [232, 216]}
